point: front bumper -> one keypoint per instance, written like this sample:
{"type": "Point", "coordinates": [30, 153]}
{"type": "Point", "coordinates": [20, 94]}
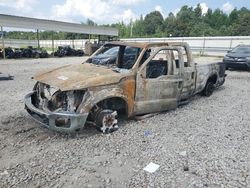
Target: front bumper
{"type": "Point", "coordinates": [237, 65]}
{"type": "Point", "coordinates": [48, 119]}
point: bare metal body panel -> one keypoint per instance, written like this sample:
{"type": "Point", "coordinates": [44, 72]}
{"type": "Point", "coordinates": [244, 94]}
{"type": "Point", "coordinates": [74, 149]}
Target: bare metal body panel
{"type": "Point", "coordinates": [80, 88]}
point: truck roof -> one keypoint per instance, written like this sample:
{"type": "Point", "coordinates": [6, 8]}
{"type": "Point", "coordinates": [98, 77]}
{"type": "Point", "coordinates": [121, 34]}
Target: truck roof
{"type": "Point", "coordinates": [147, 44]}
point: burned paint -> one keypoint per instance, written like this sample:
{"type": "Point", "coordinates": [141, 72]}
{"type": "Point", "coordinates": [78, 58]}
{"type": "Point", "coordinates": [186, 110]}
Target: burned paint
{"type": "Point", "coordinates": [97, 92]}
{"type": "Point", "coordinates": [129, 91]}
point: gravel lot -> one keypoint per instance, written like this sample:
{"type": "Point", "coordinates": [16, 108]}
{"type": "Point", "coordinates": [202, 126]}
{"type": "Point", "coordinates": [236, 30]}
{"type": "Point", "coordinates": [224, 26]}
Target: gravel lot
{"type": "Point", "coordinates": [203, 144]}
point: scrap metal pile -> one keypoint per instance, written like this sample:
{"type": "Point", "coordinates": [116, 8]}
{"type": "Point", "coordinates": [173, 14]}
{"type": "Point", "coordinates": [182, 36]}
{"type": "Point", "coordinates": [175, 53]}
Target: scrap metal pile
{"type": "Point", "coordinates": [68, 51]}
{"type": "Point", "coordinates": [29, 52]}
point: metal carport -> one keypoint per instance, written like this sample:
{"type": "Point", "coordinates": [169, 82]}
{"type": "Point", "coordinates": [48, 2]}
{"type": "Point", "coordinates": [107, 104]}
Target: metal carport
{"type": "Point", "coordinates": [51, 25]}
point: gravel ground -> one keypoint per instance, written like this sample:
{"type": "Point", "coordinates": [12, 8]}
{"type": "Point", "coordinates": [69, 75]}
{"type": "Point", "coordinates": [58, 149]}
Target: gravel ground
{"type": "Point", "coordinates": [203, 144]}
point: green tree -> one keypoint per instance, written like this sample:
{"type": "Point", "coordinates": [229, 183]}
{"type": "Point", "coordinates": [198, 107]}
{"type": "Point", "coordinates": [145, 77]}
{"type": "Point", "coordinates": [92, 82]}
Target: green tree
{"type": "Point", "coordinates": [170, 24]}
{"type": "Point", "coordinates": [91, 22]}
{"type": "Point", "coordinates": [138, 27]}
{"type": "Point", "coordinates": [233, 16]}
{"type": "Point", "coordinates": [242, 27]}
{"type": "Point", "coordinates": [124, 30]}
{"type": "Point", "coordinates": [186, 19]}
{"type": "Point", "coordinates": [218, 19]}
{"type": "Point", "coordinates": [153, 22]}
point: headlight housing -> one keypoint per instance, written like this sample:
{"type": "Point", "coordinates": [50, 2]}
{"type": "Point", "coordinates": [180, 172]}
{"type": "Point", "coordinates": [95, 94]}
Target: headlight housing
{"type": "Point", "coordinates": [226, 57]}
{"type": "Point", "coordinates": [241, 59]}
{"type": "Point", "coordinates": [55, 100]}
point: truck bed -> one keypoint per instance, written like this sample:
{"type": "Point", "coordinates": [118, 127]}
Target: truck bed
{"type": "Point", "coordinates": [206, 60]}
{"type": "Point", "coordinates": [204, 70]}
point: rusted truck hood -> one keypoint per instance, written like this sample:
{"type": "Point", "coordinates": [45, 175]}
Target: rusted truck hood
{"type": "Point", "coordinates": [75, 77]}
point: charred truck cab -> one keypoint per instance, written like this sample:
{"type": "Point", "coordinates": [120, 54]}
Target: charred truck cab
{"type": "Point", "coordinates": [135, 79]}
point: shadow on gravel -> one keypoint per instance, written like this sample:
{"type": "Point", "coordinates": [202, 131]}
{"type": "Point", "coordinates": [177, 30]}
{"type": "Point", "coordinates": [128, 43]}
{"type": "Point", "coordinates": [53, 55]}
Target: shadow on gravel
{"type": "Point", "coordinates": [17, 124]}
{"type": "Point", "coordinates": [22, 124]}
{"type": "Point", "coordinates": [220, 88]}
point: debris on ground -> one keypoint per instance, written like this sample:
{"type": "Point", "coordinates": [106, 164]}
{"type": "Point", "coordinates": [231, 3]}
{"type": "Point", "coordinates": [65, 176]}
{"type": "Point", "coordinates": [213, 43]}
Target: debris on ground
{"type": "Point", "coordinates": [148, 133]}
{"type": "Point", "coordinates": [151, 167]}
{"type": "Point", "coordinates": [183, 153]}
{"type": "Point", "coordinates": [6, 77]}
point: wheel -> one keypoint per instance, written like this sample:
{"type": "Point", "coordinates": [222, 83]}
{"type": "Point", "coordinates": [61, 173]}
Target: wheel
{"type": "Point", "coordinates": [208, 90]}
{"type": "Point", "coordinates": [106, 121]}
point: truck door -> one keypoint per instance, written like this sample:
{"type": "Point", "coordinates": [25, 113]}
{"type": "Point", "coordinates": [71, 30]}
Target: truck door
{"type": "Point", "coordinates": [158, 82]}
{"type": "Point", "coordinates": [188, 74]}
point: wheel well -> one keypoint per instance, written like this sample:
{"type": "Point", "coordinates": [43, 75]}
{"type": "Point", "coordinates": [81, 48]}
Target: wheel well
{"type": "Point", "coordinates": [114, 103]}
{"type": "Point", "coordinates": [212, 78]}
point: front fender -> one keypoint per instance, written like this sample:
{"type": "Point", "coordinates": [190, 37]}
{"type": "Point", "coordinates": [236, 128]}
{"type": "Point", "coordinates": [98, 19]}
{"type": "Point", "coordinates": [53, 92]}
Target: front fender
{"type": "Point", "coordinates": [94, 97]}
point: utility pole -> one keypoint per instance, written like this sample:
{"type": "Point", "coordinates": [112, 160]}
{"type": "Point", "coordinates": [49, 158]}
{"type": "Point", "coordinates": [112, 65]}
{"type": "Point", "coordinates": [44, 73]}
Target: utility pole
{"type": "Point", "coordinates": [204, 43]}
{"type": "Point", "coordinates": [131, 28]}
{"type": "Point", "coordinates": [2, 37]}
{"type": "Point", "coordinates": [38, 38]}
{"type": "Point", "coordinates": [53, 45]}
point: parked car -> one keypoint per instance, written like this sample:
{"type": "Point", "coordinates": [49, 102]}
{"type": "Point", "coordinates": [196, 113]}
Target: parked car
{"type": "Point", "coordinates": [107, 57]}
{"type": "Point", "coordinates": [238, 58]}
{"type": "Point", "coordinates": [161, 77]}
{"type": "Point", "coordinates": [110, 55]}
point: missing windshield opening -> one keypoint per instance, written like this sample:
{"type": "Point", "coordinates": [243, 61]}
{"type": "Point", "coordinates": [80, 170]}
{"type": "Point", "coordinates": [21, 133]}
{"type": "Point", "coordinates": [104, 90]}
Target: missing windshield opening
{"type": "Point", "coordinates": [116, 56]}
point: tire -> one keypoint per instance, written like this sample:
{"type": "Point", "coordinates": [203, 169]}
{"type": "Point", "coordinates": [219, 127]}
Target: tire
{"type": "Point", "coordinates": [106, 121]}
{"type": "Point", "coordinates": [208, 90]}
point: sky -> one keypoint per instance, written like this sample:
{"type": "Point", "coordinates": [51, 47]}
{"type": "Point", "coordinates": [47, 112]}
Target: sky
{"type": "Point", "coordinates": [107, 11]}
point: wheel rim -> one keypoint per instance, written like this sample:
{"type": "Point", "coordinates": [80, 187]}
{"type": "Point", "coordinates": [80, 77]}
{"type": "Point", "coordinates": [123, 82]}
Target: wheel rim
{"type": "Point", "coordinates": [108, 121]}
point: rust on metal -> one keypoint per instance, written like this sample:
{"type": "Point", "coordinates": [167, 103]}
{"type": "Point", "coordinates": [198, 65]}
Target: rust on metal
{"type": "Point", "coordinates": [129, 91]}
{"type": "Point", "coordinates": [76, 77]}
{"type": "Point", "coordinates": [147, 78]}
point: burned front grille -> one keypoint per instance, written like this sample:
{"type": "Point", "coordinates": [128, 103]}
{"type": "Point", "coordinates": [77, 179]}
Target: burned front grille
{"type": "Point", "coordinates": [54, 100]}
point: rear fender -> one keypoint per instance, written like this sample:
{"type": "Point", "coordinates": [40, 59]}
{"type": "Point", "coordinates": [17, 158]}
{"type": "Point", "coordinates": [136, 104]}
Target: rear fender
{"type": "Point", "coordinates": [211, 75]}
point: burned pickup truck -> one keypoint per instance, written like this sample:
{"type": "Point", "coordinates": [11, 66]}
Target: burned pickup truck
{"type": "Point", "coordinates": [155, 77]}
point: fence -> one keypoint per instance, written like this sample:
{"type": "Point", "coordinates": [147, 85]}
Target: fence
{"type": "Point", "coordinates": [201, 45]}
{"type": "Point", "coordinates": [77, 44]}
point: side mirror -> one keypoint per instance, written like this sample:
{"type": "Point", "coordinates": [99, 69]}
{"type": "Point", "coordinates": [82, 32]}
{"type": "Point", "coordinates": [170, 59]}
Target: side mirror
{"type": "Point", "coordinates": [228, 51]}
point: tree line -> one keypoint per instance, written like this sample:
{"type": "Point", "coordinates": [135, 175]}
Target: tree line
{"type": "Point", "coordinates": [188, 22]}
